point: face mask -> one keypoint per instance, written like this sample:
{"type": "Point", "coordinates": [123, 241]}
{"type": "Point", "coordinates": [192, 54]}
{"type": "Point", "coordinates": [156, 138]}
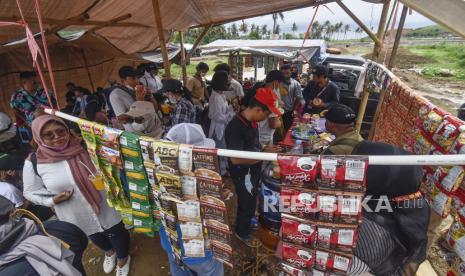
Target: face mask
{"type": "Point", "coordinates": [172, 100]}
{"type": "Point", "coordinates": [78, 100]}
{"type": "Point", "coordinates": [202, 74]}
{"type": "Point", "coordinates": [137, 127]}
{"type": "Point", "coordinates": [277, 91]}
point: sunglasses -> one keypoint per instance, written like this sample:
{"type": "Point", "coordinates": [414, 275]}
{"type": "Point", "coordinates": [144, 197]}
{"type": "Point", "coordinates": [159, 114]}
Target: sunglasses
{"type": "Point", "coordinates": [52, 135]}
{"type": "Point", "coordinates": [138, 120]}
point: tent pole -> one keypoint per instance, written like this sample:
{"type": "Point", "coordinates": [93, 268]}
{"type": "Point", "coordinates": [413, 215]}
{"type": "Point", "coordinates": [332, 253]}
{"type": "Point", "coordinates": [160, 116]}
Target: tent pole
{"type": "Point", "coordinates": [362, 108]}
{"type": "Point", "coordinates": [183, 58]}
{"type": "Point", "coordinates": [161, 38]}
{"type": "Point", "coordinates": [360, 23]}
{"type": "Point", "coordinates": [382, 25]}
{"type": "Point", "coordinates": [395, 46]}
{"type": "Point", "coordinates": [255, 73]}
{"type": "Point", "coordinates": [88, 71]}
{"type": "Point", "coordinates": [199, 39]}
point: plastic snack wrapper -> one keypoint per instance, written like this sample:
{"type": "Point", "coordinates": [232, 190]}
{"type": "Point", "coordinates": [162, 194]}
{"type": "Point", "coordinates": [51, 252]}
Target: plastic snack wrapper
{"type": "Point", "coordinates": [166, 156]}
{"type": "Point", "coordinates": [193, 248]}
{"type": "Point", "coordinates": [290, 270]}
{"type": "Point", "coordinates": [337, 237]}
{"type": "Point", "coordinates": [218, 232]}
{"type": "Point", "coordinates": [169, 183]}
{"type": "Point", "coordinates": [432, 121]}
{"type": "Point", "coordinates": [447, 132]}
{"type": "Point", "coordinates": [210, 187]}
{"type": "Point", "coordinates": [189, 210]}
{"type": "Point", "coordinates": [189, 187]}
{"type": "Point", "coordinates": [146, 145]}
{"type": "Point", "coordinates": [129, 140]}
{"type": "Point", "coordinates": [204, 158]}
{"type": "Point", "coordinates": [332, 172]}
{"type": "Point", "coordinates": [300, 202]}
{"type": "Point", "coordinates": [449, 178]}
{"type": "Point", "coordinates": [297, 256]}
{"type": "Point", "coordinates": [456, 239]}
{"type": "Point", "coordinates": [349, 209]}
{"type": "Point", "coordinates": [185, 158]}
{"type": "Point", "coordinates": [298, 231]}
{"type": "Point", "coordinates": [222, 253]}
{"type": "Point", "coordinates": [191, 230]}
{"type": "Point", "coordinates": [144, 226]}
{"type": "Point", "coordinates": [298, 170]}
{"type": "Point", "coordinates": [213, 209]}
{"type": "Point", "coordinates": [331, 261]}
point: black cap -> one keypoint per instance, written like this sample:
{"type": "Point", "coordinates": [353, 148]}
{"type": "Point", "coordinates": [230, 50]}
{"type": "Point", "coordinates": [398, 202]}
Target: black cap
{"type": "Point", "coordinates": [152, 66]}
{"type": "Point", "coordinates": [275, 75]}
{"type": "Point", "coordinates": [223, 67]}
{"type": "Point", "coordinates": [171, 85]}
{"type": "Point", "coordinates": [320, 71]}
{"type": "Point", "coordinates": [220, 81]}
{"type": "Point", "coordinates": [27, 75]}
{"type": "Point", "coordinates": [127, 71]}
{"type": "Point", "coordinates": [340, 114]}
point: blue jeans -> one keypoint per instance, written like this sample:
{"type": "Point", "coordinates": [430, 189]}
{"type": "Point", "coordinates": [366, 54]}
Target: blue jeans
{"type": "Point", "coordinates": [221, 144]}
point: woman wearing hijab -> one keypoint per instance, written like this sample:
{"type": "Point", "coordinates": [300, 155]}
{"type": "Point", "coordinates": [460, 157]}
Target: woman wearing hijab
{"type": "Point", "coordinates": [220, 112]}
{"type": "Point", "coordinates": [57, 176]}
{"type": "Point", "coordinates": [142, 119]}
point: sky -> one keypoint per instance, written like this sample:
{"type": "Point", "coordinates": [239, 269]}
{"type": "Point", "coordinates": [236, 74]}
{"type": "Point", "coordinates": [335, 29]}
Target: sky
{"type": "Point", "coordinates": [369, 13]}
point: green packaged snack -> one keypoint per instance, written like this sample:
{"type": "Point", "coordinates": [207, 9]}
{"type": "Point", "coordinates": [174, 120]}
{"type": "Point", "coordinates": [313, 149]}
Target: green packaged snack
{"type": "Point", "coordinates": [129, 140]}
{"type": "Point", "coordinates": [126, 215]}
{"type": "Point", "coordinates": [144, 226]}
{"type": "Point", "coordinates": [133, 165]}
{"type": "Point", "coordinates": [141, 210]}
{"type": "Point", "coordinates": [137, 188]}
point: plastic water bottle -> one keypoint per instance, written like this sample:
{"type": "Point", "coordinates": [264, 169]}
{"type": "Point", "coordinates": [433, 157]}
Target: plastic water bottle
{"type": "Point", "coordinates": [298, 148]}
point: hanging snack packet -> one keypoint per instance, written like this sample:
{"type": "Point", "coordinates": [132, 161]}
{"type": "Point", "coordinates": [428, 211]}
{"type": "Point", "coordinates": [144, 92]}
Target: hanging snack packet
{"type": "Point", "coordinates": [169, 222]}
{"type": "Point", "coordinates": [298, 231]}
{"type": "Point", "coordinates": [185, 158]}
{"type": "Point", "coordinates": [290, 270]}
{"type": "Point", "coordinates": [141, 209]}
{"type": "Point", "coordinates": [328, 207]}
{"type": "Point", "coordinates": [191, 230]}
{"type": "Point", "coordinates": [206, 173]}
{"type": "Point", "coordinates": [210, 187]}
{"type": "Point", "coordinates": [447, 132]}
{"type": "Point", "coordinates": [90, 140]}
{"type": "Point", "coordinates": [349, 209]}
{"type": "Point", "coordinates": [107, 136]}
{"type": "Point", "coordinates": [336, 237]}
{"type": "Point", "coordinates": [329, 261]}
{"type": "Point", "coordinates": [355, 173]}
{"type": "Point", "coordinates": [169, 183]}
{"type": "Point", "coordinates": [450, 178]}
{"type": "Point", "coordinates": [439, 201]}
{"type": "Point", "coordinates": [110, 156]}
{"type": "Point", "coordinates": [218, 232]}
{"type": "Point", "coordinates": [432, 121]}
{"type": "Point", "coordinates": [458, 146]}
{"type": "Point", "coordinates": [332, 172]}
{"type": "Point", "coordinates": [222, 253]}
{"type": "Point", "coordinates": [151, 176]}
{"type": "Point", "coordinates": [166, 156]}
{"type": "Point", "coordinates": [194, 248]}
{"type": "Point", "coordinates": [300, 202]}
{"type": "Point", "coordinates": [298, 170]}
{"type": "Point", "coordinates": [129, 140]}
{"type": "Point", "coordinates": [204, 158]}
{"type": "Point", "coordinates": [189, 187]}
{"type": "Point", "coordinates": [213, 209]}
{"type": "Point", "coordinates": [297, 256]}
{"type": "Point", "coordinates": [146, 146]}
{"type": "Point", "coordinates": [189, 210]}
{"type": "Point", "coordinates": [456, 239]}
{"type": "Point", "coordinates": [142, 225]}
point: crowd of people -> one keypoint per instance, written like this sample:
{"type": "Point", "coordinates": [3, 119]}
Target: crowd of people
{"type": "Point", "coordinates": [51, 176]}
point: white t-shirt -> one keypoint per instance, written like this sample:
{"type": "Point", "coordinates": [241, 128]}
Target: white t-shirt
{"type": "Point", "coordinates": [121, 101]}
{"type": "Point", "coordinates": [235, 90]}
{"type": "Point", "coordinates": [11, 193]}
{"type": "Point", "coordinates": [153, 83]}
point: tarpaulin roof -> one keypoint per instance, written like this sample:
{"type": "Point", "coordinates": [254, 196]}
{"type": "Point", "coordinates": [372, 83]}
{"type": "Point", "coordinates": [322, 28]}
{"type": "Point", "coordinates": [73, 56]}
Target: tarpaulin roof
{"type": "Point", "coordinates": [130, 25]}
{"type": "Point", "coordinates": [285, 49]}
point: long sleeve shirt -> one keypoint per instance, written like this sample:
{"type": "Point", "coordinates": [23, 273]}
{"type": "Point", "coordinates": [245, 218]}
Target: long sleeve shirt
{"type": "Point", "coordinates": [220, 114]}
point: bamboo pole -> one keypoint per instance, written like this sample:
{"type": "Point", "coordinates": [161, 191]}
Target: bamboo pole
{"type": "Point", "coordinates": [400, 27]}
{"type": "Point", "coordinates": [381, 26]}
{"type": "Point", "coordinates": [161, 38]}
{"type": "Point", "coordinates": [199, 39]}
{"type": "Point", "coordinates": [359, 22]}
{"type": "Point", "coordinates": [183, 58]}
{"type": "Point", "coordinates": [88, 71]}
{"type": "Point", "coordinates": [362, 108]}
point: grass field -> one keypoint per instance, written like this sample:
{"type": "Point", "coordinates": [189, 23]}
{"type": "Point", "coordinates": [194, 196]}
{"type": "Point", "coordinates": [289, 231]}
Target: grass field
{"type": "Point", "coordinates": [212, 61]}
{"type": "Point", "coordinates": [442, 56]}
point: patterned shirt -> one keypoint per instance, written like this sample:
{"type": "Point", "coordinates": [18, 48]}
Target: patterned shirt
{"type": "Point", "coordinates": [184, 112]}
{"type": "Point", "coordinates": [26, 104]}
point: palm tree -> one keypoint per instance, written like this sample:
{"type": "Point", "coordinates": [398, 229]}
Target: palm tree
{"type": "Point", "coordinates": [234, 31]}
{"type": "Point", "coordinates": [346, 30]}
{"type": "Point", "coordinates": [243, 28]}
{"type": "Point", "coordinates": [338, 28]}
{"type": "Point", "coordinates": [277, 29]}
{"type": "Point", "coordinates": [264, 30]}
{"type": "Point", "coordinates": [275, 20]}
{"type": "Point", "coordinates": [359, 30]}
{"type": "Point", "coordinates": [294, 27]}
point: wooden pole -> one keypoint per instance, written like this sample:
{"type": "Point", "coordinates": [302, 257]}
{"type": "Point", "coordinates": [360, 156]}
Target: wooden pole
{"type": "Point", "coordinates": [359, 22]}
{"type": "Point", "coordinates": [183, 58]}
{"type": "Point", "coordinates": [362, 108]}
{"type": "Point", "coordinates": [382, 95]}
{"type": "Point", "coordinates": [381, 27]}
{"type": "Point", "coordinates": [161, 38]}
{"type": "Point", "coordinates": [88, 71]}
{"type": "Point", "coordinates": [395, 46]}
{"type": "Point", "coordinates": [199, 39]}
